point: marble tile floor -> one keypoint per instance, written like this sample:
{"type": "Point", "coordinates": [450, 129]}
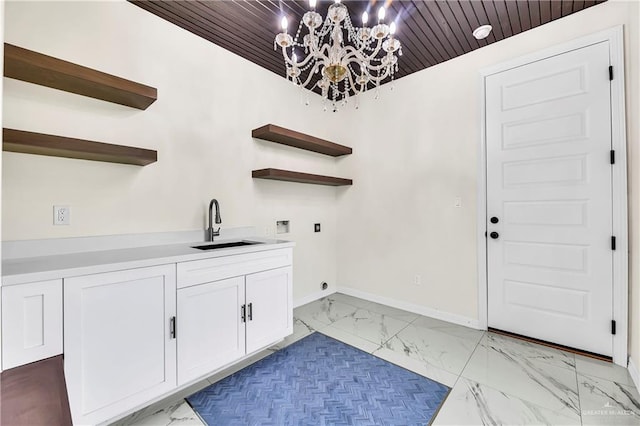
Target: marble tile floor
{"type": "Point", "coordinates": [494, 379]}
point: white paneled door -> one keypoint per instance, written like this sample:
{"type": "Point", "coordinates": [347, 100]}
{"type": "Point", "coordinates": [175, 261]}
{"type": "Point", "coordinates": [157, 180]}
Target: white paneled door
{"type": "Point", "coordinates": [549, 200]}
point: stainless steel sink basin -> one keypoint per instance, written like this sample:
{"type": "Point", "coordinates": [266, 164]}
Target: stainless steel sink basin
{"type": "Point", "coordinates": [215, 246]}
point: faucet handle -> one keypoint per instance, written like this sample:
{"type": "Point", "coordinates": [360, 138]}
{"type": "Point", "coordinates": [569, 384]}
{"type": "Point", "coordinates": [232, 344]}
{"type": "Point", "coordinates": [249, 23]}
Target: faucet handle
{"type": "Point", "coordinates": [216, 233]}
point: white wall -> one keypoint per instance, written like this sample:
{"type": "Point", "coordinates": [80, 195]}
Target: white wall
{"type": "Point", "coordinates": [415, 151]}
{"type": "Point", "coordinates": [208, 102]}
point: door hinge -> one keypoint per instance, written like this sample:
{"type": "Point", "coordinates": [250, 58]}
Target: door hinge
{"type": "Point", "coordinates": [613, 326]}
{"type": "Point", "coordinates": [613, 243]}
{"type": "Point", "coordinates": [172, 327]}
{"type": "Point", "coordinates": [610, 72]}
{"type": "Point", "coordinates": [612, 156]}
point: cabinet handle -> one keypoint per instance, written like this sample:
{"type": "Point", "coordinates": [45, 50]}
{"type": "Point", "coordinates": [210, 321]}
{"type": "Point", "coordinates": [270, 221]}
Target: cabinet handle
{"type": "Point", "coordinates": [243, 313]}
{"type": "Point", "coordinates": [172, 327]}
{"type": "Point", "coordinates": [250, 311]}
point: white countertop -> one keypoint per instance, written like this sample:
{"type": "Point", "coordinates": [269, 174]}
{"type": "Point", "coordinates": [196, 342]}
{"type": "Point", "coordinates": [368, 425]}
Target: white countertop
{"type": "Point", "coordinates": [30, 269]}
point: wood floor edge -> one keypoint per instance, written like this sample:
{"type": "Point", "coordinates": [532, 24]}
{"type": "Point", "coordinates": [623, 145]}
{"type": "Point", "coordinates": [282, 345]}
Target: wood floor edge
{"type": "Point", "coordinates": [552, 345]}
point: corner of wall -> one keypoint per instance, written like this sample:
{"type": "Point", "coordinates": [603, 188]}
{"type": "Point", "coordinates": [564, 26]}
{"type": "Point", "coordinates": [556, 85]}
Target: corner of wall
{"type": "Point", "coordinates": [634, 373]}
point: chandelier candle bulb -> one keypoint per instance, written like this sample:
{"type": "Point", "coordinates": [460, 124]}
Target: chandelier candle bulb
{"type": "Point", "coordinates": [365, 18]}
{"type": "Point", "coordinates": [312, 4]}
{"type": "Point", "coordinates": [284, 24]}
{"type": "Point", "coordinates": [381, 13]}
{"type": "Point", "coordinates": [392, 28]}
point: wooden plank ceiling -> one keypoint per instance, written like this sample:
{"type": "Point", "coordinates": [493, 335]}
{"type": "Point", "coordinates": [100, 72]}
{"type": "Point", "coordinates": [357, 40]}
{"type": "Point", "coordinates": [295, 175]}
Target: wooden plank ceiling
{"type": "Point", "coordinates": [431, 31]}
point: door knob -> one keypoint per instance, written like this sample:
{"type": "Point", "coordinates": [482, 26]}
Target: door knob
{"type": "Point", "coordinates": [494, 220]}
{"type": "Point", "coordinates": [494, 235]}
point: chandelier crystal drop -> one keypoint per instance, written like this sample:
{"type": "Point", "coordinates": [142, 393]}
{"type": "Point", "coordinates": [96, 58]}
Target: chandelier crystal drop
{"type": "Point", "coordinates": [336, 57]}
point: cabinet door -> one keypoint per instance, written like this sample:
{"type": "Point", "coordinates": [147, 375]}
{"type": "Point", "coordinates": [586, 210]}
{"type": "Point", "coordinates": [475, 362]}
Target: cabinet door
{"type": "Point", "coordinates": [211, 332]}
{"type": "Point", "coordinates": [269, 298]}
{"type": "Point", "coordinates": [119, 351]}
{"type": "Point", "coordinates": [31, 322]}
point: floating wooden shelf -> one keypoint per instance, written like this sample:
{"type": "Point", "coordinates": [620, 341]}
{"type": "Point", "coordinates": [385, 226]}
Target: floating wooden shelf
{"type": "Point", "coordinates": [295, 139]}
{"type": "Point", "coordinates": [289, 176]}
{"type": "Point", "coordinates": [34, 67]}
{"type": "Point", "coordinates": [59, 146]}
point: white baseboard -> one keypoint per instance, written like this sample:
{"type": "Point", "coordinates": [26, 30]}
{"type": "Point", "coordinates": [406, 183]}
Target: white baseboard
{"type": "Point", "coordinates": [417, 309]}
{"type": "Point", "coordinates": [312, 297]}
{"type": "Point", "coordinates": [634, 373]}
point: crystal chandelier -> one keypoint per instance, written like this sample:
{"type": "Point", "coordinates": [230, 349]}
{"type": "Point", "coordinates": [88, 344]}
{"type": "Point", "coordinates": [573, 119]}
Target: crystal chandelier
{"type": "Point", "coordinates": [339, 69]}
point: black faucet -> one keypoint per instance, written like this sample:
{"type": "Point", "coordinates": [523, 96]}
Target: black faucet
{"type": "Point", "coordinates": [210, 231]}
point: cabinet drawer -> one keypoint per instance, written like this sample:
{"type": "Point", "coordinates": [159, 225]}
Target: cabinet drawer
{"type": "Point", "coordinates": [31, 322]}
{"type": "Point", "coordinates": [219, 268]}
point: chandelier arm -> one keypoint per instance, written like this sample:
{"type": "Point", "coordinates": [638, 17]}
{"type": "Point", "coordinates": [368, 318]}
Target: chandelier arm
{"type": "Point", "coordinates": [296, 64]}
{"type": "Point", "coordinates": [311, 73]}
{"type": "Point", "coordinates": [353, 54]}
{"type": "Point", "coordinates": [377, 49]}
{"type": "Point", "coordinates": [353, 85]}
{"type": "Point", "coordinates": [363, 87]}
{"type": "Point", "coordinates": [358, 54]}
{"type": "Point", "coordinates": [313, 42]}
{"type": "Point", "coordinates": [384, 75]}
{"type": "Point", "coordinates": [379, 67]}
{"type": "Point", "coordinates": [322, 54]}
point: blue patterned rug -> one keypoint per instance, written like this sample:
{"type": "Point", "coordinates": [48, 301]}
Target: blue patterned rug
{"type": "Point", "coordinates": [320, 381]}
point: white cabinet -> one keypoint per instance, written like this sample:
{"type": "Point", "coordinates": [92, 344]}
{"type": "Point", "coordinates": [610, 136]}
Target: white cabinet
{"type": "Point", "coordinates": [210, 331]}
{"type": "Point", "coordinates": [131, 336]}
{"type": "Point", "coordinates": [119, 344]}
{"type": "Point", "coordinates": [269, 307]}
{"type": "Point", "coordinates": [227, 310]}
{"type": "Point", "coordinates": [31, 322]}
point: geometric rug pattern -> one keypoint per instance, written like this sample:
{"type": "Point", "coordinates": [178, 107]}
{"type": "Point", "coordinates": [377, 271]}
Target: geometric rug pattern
{"type": "Point", "coordinates": [320, 381]}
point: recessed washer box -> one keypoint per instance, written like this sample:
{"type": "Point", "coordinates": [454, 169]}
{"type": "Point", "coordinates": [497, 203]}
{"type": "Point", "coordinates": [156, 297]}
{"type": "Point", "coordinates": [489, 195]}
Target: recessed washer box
{"type": "Point", "coordinates": [282, 227]}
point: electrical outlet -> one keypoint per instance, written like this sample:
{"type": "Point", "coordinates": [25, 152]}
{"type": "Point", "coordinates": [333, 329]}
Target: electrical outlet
{"type": "Point", "coordinates": [316, 227]}
{"type": "Point", "coordinates": [417, 280]}
{"type": "Point", "coordinates": [61, 215]}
